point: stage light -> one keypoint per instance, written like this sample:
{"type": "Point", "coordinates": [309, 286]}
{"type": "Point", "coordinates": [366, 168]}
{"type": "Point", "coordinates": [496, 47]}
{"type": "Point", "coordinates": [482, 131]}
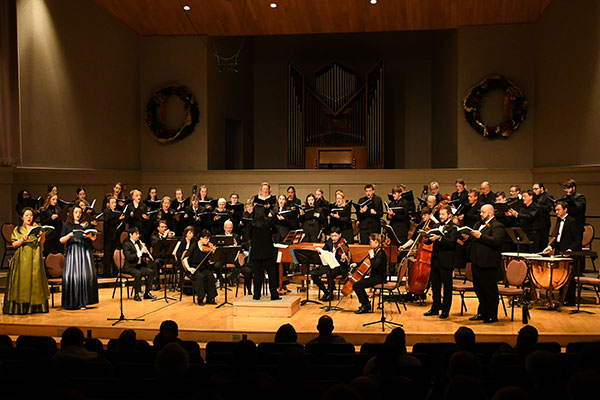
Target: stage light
{"type": "Point", "coordinates": [373, 1]}
{"type": "Point", "coordinates": [273, 5]}
{"type": "Point", "coordinates": [187, 8]}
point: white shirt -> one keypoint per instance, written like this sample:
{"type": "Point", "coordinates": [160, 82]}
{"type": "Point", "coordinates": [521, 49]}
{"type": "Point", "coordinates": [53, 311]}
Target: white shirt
{"type": "Point", "coordinates": [561, 225]}
{"type": "Point", "coordinates": [138, 250]}
{"type": "Point", "coordinates": [484, 224]}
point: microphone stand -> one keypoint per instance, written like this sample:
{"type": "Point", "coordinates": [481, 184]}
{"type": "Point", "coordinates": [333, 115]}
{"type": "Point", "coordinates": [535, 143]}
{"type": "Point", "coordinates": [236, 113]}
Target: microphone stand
{"type": "Point", "coordinates": [122, 316]}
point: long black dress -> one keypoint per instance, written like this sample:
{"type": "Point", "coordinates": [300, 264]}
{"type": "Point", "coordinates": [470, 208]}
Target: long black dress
{"type": "Point", "coordinates": [52, 244]}
{"type": "Point", "coordinates": [80, 284]}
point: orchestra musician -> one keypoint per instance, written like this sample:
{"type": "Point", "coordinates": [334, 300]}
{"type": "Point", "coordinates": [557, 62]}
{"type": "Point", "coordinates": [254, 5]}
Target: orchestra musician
{"type": "Point", "coordinates": [376, 276]}
{"type": "Point", "coordinates": [337, 244]}
{"type": "Point", "coordinates": [340, 214]}
{"type": "Point", "coordinates": [399, 212]}
{"type": "Point", "coordinates": [370, 214]}
{"type": "Point", "coordinates": [425, 214]}
{"type": "Point", "coordinates": [181, 249]}
{"type": "Point", "coordinates": [263, 253]}
{"type": "Point", "coordinates": [197, 265]}
{"type": "Point", "coordinates": [443, 262]}
{"type": "Point", "coordinates": [240, 265]}
{"type": "Point", "coordinates": [484, 252]}
{"type": "Point", "coordinates": [162, 233]}
{"type": "Point", "coordinates": [486, 196]}
{"type": "Point", "coordinates": [138, 262]}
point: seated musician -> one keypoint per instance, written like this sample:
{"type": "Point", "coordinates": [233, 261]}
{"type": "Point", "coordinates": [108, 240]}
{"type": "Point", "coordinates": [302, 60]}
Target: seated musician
{"type": "Point", "coordinates": [338, 245]}
{"type": "Point", "coordinates": [162, 232]}
{"type": "Point", "coordinates": [240, 266]}
{"type": "Point", "coordinates": [376, 276]}
{"type": "Point", "coordinates": [197, 266]}
{"type": "Point", "coordinates": [138, 263]}
{"type": "Point", "coordinates": [182, 249]}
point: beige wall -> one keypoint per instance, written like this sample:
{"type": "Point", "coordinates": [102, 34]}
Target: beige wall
{"type": "Point", "coordinates": [78, 70]}
{"type": "Point", "coordinates": [507, 51]}
{"type": "Point", "coordinates": [180, 60]}
{"type": "Point", "coordinates": [567, 73]}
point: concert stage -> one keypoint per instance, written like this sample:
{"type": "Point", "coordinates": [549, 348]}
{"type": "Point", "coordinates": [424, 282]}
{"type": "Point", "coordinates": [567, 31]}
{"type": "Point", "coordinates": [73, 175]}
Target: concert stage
{"type": "Point", "coordinates": [206, 323]}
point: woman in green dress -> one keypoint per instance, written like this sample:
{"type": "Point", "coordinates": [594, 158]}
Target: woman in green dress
{"type": "Point", "coordinates": [27, 286]}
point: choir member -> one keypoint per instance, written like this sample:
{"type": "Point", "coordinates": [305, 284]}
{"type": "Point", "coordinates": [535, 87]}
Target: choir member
{"type": "Point", "coordinates": [486, 196]}
{"type": "Point", "coordinates": [118, 192]}
{"type": "Point", "coordinates": [530, 219]}
{"type": "Point", "coordinates": [575, 200]}
{"type": "Point", "coordinates": [546, 204]}
{"type": "Point", "coordinates": [165, 213]}
{"type": "Point", "coordinates": [399, 212]}
{"type": "Point", "coordinates": [434, 188]}
{"type": "Point", "coordinates": [50, 215]}
{"type": "Point", "coordinates": [113, 219]}
{"type": "Point", "coordinates": [178, 206]}
{"type": "Point", "coordinates": [219, 216]}
{"type": "Point", "coordinates": [369, 215]}
{"type": "Point", "coordinates": [340, 214]}
{"type": "Point", "coordinates": [80, 284]}
{"type": "Point", "coordinates": [26, 283]}
{"type": "Point", "coordinates": [472, 213]}
{"type": "Point", "coordinates": [461, 193]}
{"type": "Point", "coordinates": [310, 217]}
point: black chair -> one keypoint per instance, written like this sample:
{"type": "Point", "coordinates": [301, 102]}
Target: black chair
{"type": "Point", "coordinates": [269, 352]}
{"type": "Point", "coordinates": [330, 348]}
{"type": "Point", "coordinates": [215, 351]}
{"type": "Point", "coordinates": [370, 348]}
{"type": "Point", "coordinates": [487, 348]}
{"type": "Point", "coordinates": [578, 347]}
{"type": "Point", "coordinates": [552, 347]}
{"type": "Point", "coordinates": [94, 344]}
{"type": "Point", "coordinates": [5, 341]}
{"type": "Point", "coordinates": [193, 350]}
{"type": "Point", "coordinates": [42, 343]}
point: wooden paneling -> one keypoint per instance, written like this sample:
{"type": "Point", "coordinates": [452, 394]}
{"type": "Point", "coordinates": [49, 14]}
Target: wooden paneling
{"type": "Point", "coordinates": [255, 17]}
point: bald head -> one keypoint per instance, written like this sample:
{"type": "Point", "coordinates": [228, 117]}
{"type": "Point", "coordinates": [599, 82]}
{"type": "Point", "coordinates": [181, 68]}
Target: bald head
{"type": "Point", "coordinates": [487, 212]}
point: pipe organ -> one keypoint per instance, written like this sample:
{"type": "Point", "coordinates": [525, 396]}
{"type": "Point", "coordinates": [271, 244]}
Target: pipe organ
{"type": "Point", "coordinates": [338, 123]}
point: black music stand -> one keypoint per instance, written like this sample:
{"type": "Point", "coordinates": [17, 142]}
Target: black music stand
{"type": "Point", "coordinates": [122, 316]}
{"type": "Point", "coordinates": [294, 237]}
{"type": "Point", "coordinates": [382, 320]}
{"type": "Point", "coordinates": [306, 256]}
{"type": "Point", "coordinates": [163, 249]}
{"type": "Point", "coordinates": [578, 272]}
{"type": "Point", "coordinates": [518, 237]}
{"type": "Point", "coordinates": [225, 255]}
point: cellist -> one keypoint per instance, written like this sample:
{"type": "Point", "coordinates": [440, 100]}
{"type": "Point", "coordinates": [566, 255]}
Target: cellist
{"type": "Point", "coordinates": [378, 260]}
{"type": "Point", "coordinates": [337, 244]}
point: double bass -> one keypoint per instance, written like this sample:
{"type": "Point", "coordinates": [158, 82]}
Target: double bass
{"type": "Point", "coordinates": [418, 275]}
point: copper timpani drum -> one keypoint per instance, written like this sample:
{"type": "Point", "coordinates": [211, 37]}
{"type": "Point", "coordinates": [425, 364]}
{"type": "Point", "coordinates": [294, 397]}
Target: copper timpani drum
{"type": "Point", "coordinates": [550, 273]}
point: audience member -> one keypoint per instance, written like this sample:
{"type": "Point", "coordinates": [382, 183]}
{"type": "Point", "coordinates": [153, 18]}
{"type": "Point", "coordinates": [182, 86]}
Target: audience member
{"type": "Point", "coordinates": [465, 339]}
{"type": "Point", "coordinates": [325, 328]}
{"type": "Point", "coordinates": [168, 332]}
{"type": "Point", "coordinates": [286, 334]}
{"type": "Point", "coordinates": [73, 360]}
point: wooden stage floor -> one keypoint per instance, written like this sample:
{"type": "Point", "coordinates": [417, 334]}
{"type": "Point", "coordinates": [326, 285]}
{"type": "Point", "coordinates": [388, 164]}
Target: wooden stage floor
{"type": "Point", "coordinates": [206, 323]}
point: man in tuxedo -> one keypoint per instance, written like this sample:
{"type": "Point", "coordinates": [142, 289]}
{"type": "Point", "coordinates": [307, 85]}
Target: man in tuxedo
{"type": "Point", "coordinates": [369, 215]}
{"type": "Point", "coordinates": [162, 233]}
{"type": "Point", "coordinates": [138, 264]}
{"type": "Point", "coordinates": [484, 252]}
{"type": "Point", "coordinates": [443, 261]}
{"type": "Point", "coordinates": [486, 196]}
{"type": "Point", "coordinates": [399, 214]}
{"type": "Point", "coordinates": [568, 238]}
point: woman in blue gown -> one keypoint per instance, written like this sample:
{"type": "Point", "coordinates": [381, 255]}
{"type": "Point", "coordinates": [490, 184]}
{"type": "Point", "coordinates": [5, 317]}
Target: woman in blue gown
{"type": "Point", "coordinates": [80, 284]}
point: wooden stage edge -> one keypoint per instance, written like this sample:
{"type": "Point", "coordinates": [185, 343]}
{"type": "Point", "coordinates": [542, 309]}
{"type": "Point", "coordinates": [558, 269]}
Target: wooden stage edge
{"type": "Point", "coordinates": [207, 323]}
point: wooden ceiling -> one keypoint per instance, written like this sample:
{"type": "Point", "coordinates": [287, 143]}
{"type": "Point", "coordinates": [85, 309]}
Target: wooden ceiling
{"type": "Point", "coordinates": [256, 17]}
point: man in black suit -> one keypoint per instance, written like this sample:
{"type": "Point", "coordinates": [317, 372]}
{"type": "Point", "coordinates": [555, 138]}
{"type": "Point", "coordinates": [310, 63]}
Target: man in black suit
{"type": "Point", "coordinates": [575, 201]}
{"type": "Point", "coordinates": [531, 220]}
{"type": "Point", "coordinates": [546, 204]}
{"type": "Point", "coordinates": [138, 264]}
{"type": "Point", "coordinates": [484, 252]}
{"type": "Point", "coordinates": [399, 214]}
{"type": "Point", "coordinates": [369, 215]}
{"type": "Point", "coordinates": [443, 261]}
{"type": "Point", "coordinates": [486, 196]}
{"type": "Point", "coordinates": [568, 238]}
{"type": "Point", "coordinates": [472, 212]}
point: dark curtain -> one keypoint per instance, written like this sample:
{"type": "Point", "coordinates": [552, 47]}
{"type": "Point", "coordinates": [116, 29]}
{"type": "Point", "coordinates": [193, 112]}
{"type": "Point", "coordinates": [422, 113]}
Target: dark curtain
{"type": "Point", "coordinates": [10, 131]}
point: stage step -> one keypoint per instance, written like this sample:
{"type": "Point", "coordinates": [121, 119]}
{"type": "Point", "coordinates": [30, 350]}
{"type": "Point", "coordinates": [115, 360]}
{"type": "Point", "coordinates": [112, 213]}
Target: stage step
{"type": "Point", "coordinates": [248, 307]}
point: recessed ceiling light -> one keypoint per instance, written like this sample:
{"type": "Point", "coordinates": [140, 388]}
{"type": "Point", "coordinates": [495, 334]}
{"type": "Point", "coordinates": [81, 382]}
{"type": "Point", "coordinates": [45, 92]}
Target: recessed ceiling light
{"type": "Point", "coordinates": [187, 8]}
{"type": "Point", "coordinates": [373, 1]}
{"type": "Point", "coordinates": [273, 5]}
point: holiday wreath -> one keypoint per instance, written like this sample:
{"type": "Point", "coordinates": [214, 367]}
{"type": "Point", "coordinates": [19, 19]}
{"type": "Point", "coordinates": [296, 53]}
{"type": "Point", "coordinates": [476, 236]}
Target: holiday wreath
{"type": "Point", "coordinates": [156, 119]}
{"type": "Point", "coordinates": [515, 107]}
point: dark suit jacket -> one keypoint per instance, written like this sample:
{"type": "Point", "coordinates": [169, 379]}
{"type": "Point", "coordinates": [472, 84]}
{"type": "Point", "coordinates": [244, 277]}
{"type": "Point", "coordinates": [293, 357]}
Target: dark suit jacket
{"type": "Point", "coordinates": [261, 238]}
{"type": "Point", "coordinates": [571, 236]}
{"type": "Point", "coordinates": [130, 254]}
{"type": "Point", "coordinates": [490, 198]}
{"type": "Point", "coordinates": [444, 249]}
{"type": "Point", "coordinates": [378, 264]}
{"type": "Point", "coordinates": [472, 215]}
{"type": "Point", "coordinates": [577, 206]}
{"type": "Point", "coordinates": [371, 222]}
{"type": "Point", "coordinates": [485, 251]}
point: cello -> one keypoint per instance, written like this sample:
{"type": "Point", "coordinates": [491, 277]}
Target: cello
{"type": "Point", "coordinates": [418, 275]}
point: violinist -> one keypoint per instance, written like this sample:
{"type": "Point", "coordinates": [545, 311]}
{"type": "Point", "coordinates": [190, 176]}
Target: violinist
{"type": "Point", "coordinates": [369, 215]}
{"type": "Point", "coordinates": [197, 266]}
{"type": "Point", "coordinates": [340, 214]}
{"type": "Point", "coordinates": [443, 261]}
{"type": "Point", "coordinates": [376, 276]}
{"type": "Point", "coordinates": [399, 213]}
{"type": "Point", "coordinates": [337, 244]}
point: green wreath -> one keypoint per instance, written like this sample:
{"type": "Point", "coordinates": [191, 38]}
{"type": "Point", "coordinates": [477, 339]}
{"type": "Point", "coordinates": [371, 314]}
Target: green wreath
{"type": "Point", "coordinates": [156, 123]}
{"type": "Point", "coordinates": [515, 107]}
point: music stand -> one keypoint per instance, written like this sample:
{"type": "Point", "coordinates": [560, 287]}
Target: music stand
{"type": "Point", "coordinates": [294, 237]}
{"type": "Point", "coordinates": [225, 255]}
{"type": "Point", "coordinates": [306, 256]}
{"type": "Point", "coordinates": [222, 240]}
{"type": "Point", "coordinates": [518, 237]}
{"type": "Point", "coordinates": [162, 250]}
{"type": "Point", "coordinates": [382, 320]}
{"type": "Point", "coordinates": [122, 315]}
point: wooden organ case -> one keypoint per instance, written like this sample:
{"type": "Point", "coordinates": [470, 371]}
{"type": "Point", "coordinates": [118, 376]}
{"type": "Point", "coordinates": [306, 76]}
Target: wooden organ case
{"type": "Point", "coordinates": [339, 122]}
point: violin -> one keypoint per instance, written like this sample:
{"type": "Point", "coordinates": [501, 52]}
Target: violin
{"type": "Point", "coordinates": [207, 248]}
{"type": "Point", "coordinates": [341, 248]}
